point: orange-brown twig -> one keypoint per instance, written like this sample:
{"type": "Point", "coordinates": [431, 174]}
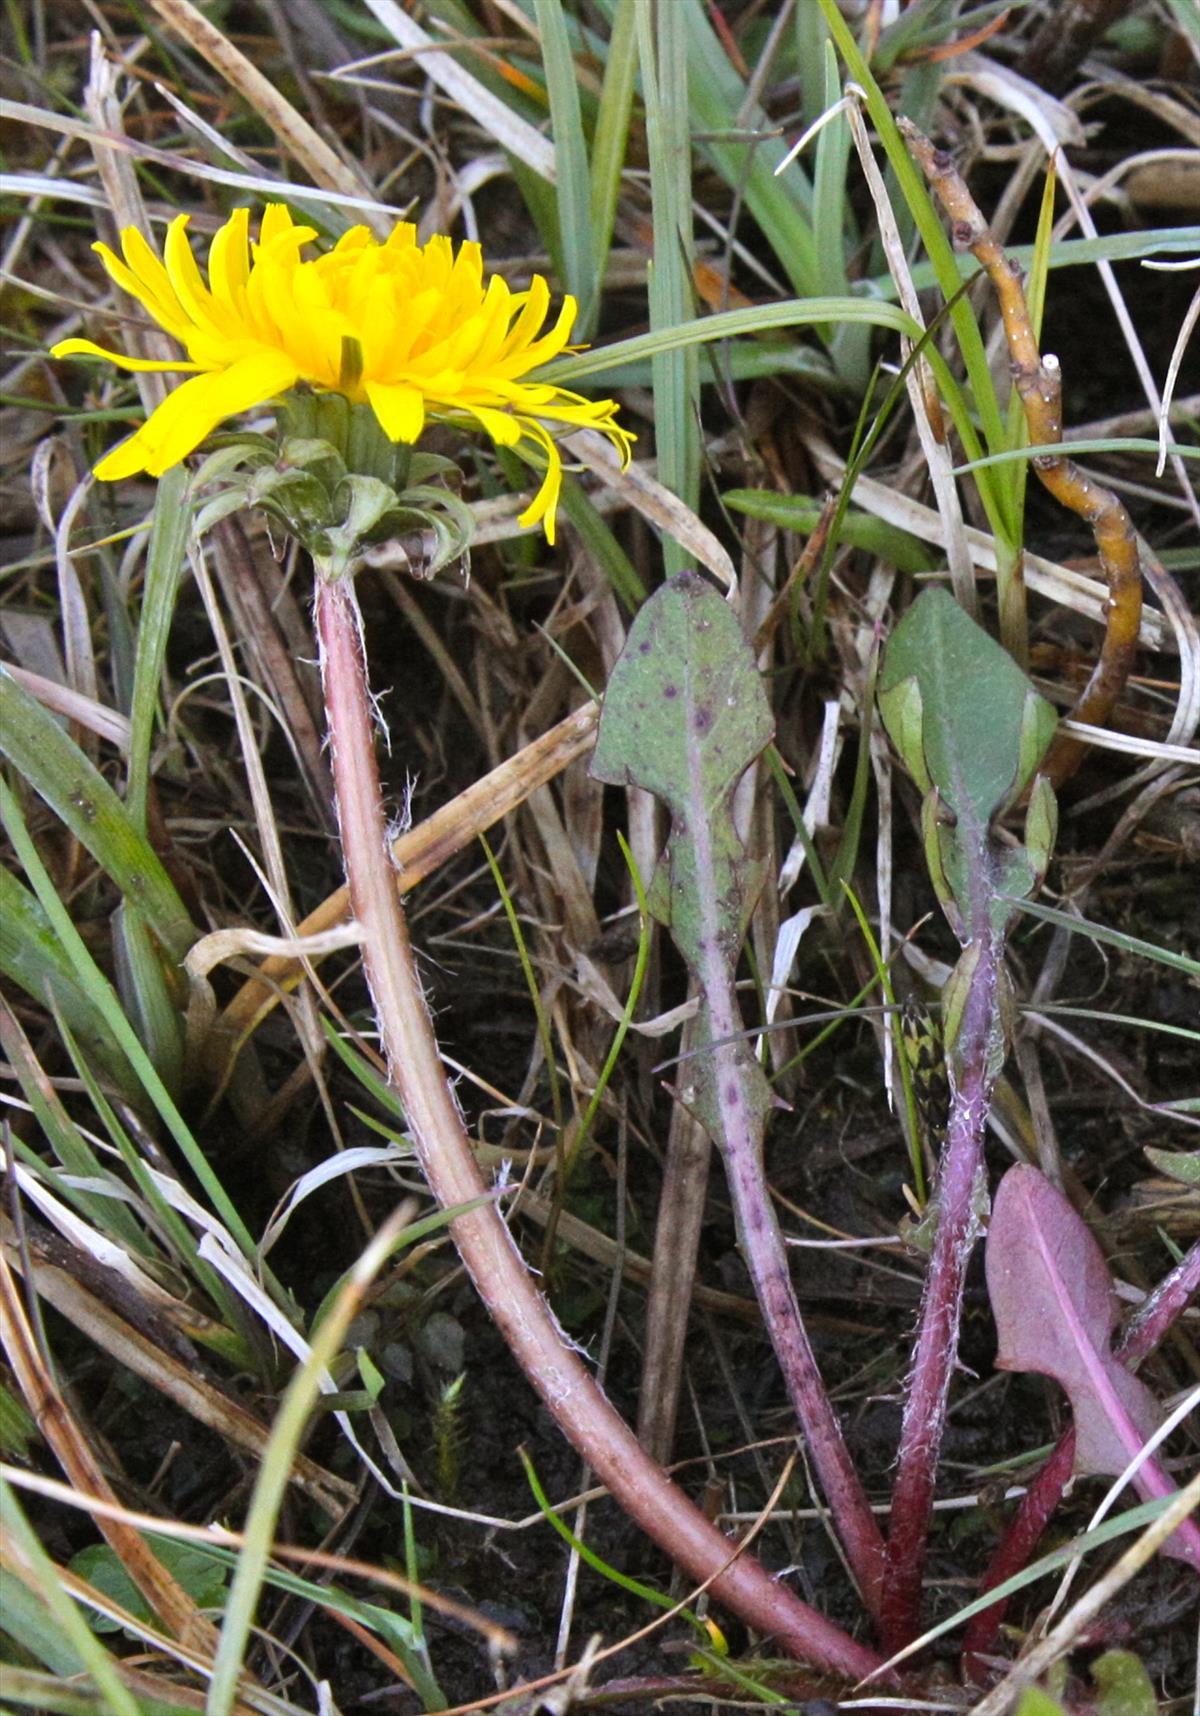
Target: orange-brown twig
{"type": "Point", "coordinates": [1038, 381]}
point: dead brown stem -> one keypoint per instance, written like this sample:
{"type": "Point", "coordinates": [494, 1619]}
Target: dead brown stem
{"type": "Point", "coordinates": [57, 1423]}
{"type": "Point", "coordinates": [1038, 381]}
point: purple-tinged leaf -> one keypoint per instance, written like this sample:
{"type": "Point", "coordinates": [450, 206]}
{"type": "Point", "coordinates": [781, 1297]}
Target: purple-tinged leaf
{"type": "Point", "coordinates": [1055, 1310]}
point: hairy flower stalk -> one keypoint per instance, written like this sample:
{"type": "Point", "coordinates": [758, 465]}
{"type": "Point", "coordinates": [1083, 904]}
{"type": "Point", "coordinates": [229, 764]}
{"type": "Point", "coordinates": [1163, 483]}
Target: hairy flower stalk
{"type": "Point", "coordinates": [413, 331]}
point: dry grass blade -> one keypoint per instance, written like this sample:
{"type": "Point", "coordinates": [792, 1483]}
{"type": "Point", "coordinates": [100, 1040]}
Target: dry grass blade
{"type": "Point", "coordinates": [415, 855]}
{"type": "Point", "coordinates": [179, 1380]}
{"type": "Point", "coordinates": [151, 1078]}
{"type": "Point", "coordinates": [495, 116]}
{"type": "Point", "coordinates": [1046, 577]}
{"type": "Point", "coordinates": [919, 380]}
{"type": "Point", "coordinates": [74, 1452]}
{"type": "Point", "coordinates": [322, 164]}
{"type": "Point", "coordinates": [1075, 1622]}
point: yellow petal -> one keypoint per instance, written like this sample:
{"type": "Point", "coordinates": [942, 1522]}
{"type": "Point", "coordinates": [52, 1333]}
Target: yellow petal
{"type": "Point", "coordinates": [155, 289]}
{"type": "Point", "coordinates": [503, 428]}
{"type": "Point", "coordinates": [402, 237]}
{"type": "Point", "coordinates": [189, 287]}
{"type": "Point", "coordinates": [229, 261]}
{"type": "Point", "coordinates": [400, 410]}
{"type": "Point", "coordinates": [192, 411]}
{"type": "Point", "coordinates": [520, 360]}
{"type": "Point", "coordinates": [167, 315]}
{"type": "Point", "coordinates": [277, 218]}
{"type": "Point", "coordinates": [543, 508]}
{"type": "Point", "coordinates": [356, 238]}
{"type": "Point", "coordinates": [125, 460]}
{"type": "Point", "coordinates": [534, 305]}
{"type": "Point", "coordinates": [89, 348]}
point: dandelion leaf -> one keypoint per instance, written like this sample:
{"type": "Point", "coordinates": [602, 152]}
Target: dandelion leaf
{"type": "Point", "coordinates": [982, 729]}
{"type": "Point", "coordinates": [684, 716]}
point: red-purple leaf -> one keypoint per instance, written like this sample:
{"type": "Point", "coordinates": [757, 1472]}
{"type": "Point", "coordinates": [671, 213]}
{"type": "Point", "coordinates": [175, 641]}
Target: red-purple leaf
{"type": "Point", "coordinates": [1055, 1311]}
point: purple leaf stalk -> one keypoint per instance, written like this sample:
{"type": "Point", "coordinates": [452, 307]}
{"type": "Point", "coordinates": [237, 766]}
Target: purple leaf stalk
{"type": "Point", "coordinates": [684, 715]}
{"type": "Point", "coordinates": [973, 1073]}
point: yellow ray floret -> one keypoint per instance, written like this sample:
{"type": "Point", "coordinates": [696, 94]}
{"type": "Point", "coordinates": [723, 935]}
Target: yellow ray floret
{"type": "Point", "coordinates": [414, 330]}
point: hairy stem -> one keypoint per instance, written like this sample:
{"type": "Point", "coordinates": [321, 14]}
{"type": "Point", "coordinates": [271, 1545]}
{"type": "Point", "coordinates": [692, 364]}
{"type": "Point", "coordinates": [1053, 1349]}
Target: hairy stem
{"type": "Point", "coordinates": [766, 1255]}
{"type": "Point", "coordinates": [937, 1342]}
{"type": "Point", "coordinates": [487, 1250]}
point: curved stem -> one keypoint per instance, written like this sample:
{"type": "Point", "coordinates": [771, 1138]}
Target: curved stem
{"type": "Point", "coordinates": [487, 1249]}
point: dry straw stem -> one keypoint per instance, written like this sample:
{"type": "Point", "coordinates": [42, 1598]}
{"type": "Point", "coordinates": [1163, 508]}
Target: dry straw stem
{"type": "Point", "coordinates": [183, 1384]}
{"type": "Point", "coordinates": [1078, 1619]}
{"type": "Point", "coordinates": [1038, 381]}
{"type": "Point", "coordinates": [415, 855]}
{"type": "Point", "coordinates": [498, 1637]}
{"type": "Point", "coordinates": [294, 134]}
{"type": "Point", "coordinates": [166, 1597]}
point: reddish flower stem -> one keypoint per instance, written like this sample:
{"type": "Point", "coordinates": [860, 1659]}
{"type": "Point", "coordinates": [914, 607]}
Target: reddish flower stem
{"type": "Point", "coordinates": [488, 1252]}
{"type": "Point", "coordinates": [1040, 1501]}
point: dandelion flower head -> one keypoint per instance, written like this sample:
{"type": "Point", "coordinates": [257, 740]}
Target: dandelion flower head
{"type": "Point", "coordinates": [414, 330]}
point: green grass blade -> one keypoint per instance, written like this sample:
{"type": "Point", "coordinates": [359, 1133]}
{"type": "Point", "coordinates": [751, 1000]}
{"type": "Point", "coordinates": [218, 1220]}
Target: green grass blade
{"type": "Point", "coordinates": [70, 1637]}
{"type": "Point", "coordinates": [1133, 1519]}
{"type": "Point", "coordinates": [31, 955]}
{"type": "Point", "coordinates": [148, 995]}
{"type": "Point", "coordinates": [97, 986]}
{"type": "Point", "coordinates": [937, 246]}
{"type": "Point", "coordinates": [1085, 444]}
{"type": "Point", "coordinates": [169, 1223]}
{"type": "Point", "coordinates": [545, 1036]}
{"type": "Point", "coordinates": [635, 1587]}
{"type": "Point", "coordinates": [832, 223]}
{"type": "Point", "coordinates": [1064, 253]}
{"type": "Point", "coordinates": [631, 1001]}
{"type": "Point", "coordinates": [74, 788]}
{"type": "Point", "coordinates": [164, 564]}
{"type": "Point", "coordinates": [572, 183]}
{"type": "Point", "coordinates": [811, 38]}
{"type": "Point", "coordinates": [855, 530]}
{"type": "Point", "coordinates": [1010, 585]}
{"type": "Point", "coordinates": [795, 811]}
{"type": "Point", "coordinates": [662, 49]}
{"type": "Point", "coordinates": [275, 1470]}
{"type": "Point", "coordinates": [611, 137]}
{"type": "Point", "coordinates": [71, 1149]}
{"type": "Point", "coordinates": [782, 206]}
{"type": "Point", "coordinates": [900, 1059]}
{"type": "Point", "coordinates": [1110, 937]}
{"type": "Point", "coordinates": [845, 858]}
{"type": "Point", "coordinates": [726, 325]}
{"type": "Point", "coordinates": [599, 540]}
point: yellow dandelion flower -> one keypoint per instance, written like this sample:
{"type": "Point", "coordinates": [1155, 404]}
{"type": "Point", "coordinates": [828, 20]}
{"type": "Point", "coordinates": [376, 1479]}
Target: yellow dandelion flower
{"type": "Point", "coordinates": [414, 330]}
